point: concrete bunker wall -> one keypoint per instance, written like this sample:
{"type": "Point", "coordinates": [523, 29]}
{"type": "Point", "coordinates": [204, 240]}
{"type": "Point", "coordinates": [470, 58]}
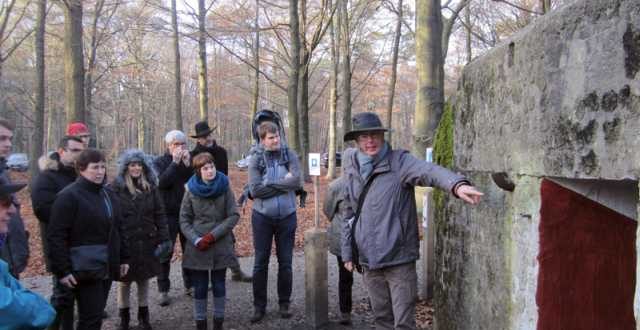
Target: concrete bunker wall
{"type": "Point", "coordinates": [559, 99]}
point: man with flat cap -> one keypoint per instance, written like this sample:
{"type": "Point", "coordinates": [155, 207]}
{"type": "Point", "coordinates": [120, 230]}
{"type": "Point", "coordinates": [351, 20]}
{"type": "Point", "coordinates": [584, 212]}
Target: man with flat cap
{"type": "Point", "coordinates": [380, 237]}
{"type": "Point", "coordinates": [206, 143]}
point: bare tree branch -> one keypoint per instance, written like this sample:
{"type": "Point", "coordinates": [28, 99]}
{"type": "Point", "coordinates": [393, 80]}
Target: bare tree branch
{"type": "Point", "coordinates": [519, 7]}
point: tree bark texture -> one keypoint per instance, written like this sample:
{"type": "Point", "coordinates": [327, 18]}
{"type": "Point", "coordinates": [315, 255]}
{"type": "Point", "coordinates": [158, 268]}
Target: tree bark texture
{"type": "Point", "coordinates": [38, 132]}
{"type": "Point", "coordinates": [292, 90]}
{"type": "Point", "coordinates": [91, 66]}
{"type": "Point", "coordinates": [203, 86]}
{"type": "Point", "coordinates": [256, 64]}
{"type": "Point", "coordinates": [333, 100]}
{"type": "Point", "coordinates": [74, 61]}
{"type": "Point", "coordinates": [345, 54]}
{"type": "Point", "coordinates": [177, 74]}
{"type": "Point", "coordinates": [394, 71]}
{"type": "Point", "coordinates": [429, 63]}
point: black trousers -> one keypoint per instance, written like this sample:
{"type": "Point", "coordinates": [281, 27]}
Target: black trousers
{"type": "Point", "coordinates": [345, 283]}
{"type": "Point", "coordinates": [164, 283]}
{"type": "Point", "coordinates": [92, 298]}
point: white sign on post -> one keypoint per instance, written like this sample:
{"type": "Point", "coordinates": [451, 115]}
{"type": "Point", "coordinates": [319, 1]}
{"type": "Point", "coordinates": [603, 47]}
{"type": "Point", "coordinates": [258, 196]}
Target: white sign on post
{"type": "Point", "coordinates": [314, 164]}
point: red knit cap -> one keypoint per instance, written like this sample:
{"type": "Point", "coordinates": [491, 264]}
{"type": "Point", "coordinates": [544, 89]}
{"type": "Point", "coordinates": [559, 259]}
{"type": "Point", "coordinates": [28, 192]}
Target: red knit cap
{"type": "Point", "coordinates": [77, 128]}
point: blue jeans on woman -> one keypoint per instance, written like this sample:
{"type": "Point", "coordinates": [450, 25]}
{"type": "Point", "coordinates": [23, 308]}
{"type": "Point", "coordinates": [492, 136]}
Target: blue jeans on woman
{"type": "Point", "coordinates": [266, 229]}
{"type": "Point", "coordinates": [200, 280]}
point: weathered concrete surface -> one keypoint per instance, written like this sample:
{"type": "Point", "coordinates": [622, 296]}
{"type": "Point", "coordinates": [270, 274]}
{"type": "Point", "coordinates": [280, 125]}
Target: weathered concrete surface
{"type": "Point", "coordinates": [315, 263]}
{"type": "Point", "coordinates": [561, 98]}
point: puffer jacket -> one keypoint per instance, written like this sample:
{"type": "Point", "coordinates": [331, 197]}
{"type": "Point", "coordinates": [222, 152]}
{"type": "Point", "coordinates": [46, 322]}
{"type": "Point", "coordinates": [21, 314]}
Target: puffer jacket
{"type": "Point", "coordinates": [19, 307]}
{"type": "Point", "coordinates": [144, 220]}
{"type": "Point", "coordinates": [199, 216]}
{"type": "Point", "coordinates": [333, 202]}
{"type": "Point", "coordinates": [387, 232]}
{"type": "Point", "coordinates": [15, 250]}
{"type": "Point", "coordinates": [274, 195]}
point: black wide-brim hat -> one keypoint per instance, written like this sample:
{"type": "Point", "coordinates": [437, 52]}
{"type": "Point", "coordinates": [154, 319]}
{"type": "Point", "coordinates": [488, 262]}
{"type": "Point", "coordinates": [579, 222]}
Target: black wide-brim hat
{"type": "Point", "coordinates": [364, 122]}
{"type": "Point", "coordinates": [202, 130]}
{"type": "Point", "coordinates": [6, 189]}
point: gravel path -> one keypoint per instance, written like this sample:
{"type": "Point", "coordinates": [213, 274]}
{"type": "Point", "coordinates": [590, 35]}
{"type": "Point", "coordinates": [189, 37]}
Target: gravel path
{"type": "Point", "coordinates": [239, 308]}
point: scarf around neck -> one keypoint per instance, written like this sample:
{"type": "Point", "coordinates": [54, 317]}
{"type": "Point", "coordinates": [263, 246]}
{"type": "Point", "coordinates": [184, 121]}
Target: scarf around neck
{"type": "Point", "coordinates": [212, 189]}
{"type": "Point", "coordinates": [367, 162]}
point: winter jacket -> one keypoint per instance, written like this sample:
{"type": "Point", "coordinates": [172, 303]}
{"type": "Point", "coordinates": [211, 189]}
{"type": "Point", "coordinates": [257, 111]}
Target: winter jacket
{"type": "Point", "coordinates": [19, 307]}
{"type": "Point", "coordinates": [144, 221]}
{"type": "Point", "coordinates": [171, 180]}
{"type": "Point", "coordinates": [199, 216]}
{"type": "Point", "coordinates": [53, 177]}
{"type": "Point", "coordinates": [387, 231]}
{"type": "Point", "coordinates": [219, 156]}
{"type": "Point", "coordinates": [274, 195]}
{"type": "Point", "coordinates": [15, 250]}
{"type": "Point", "coordinates": [79, 216]}
{"type": "Point", "coordinates": [333, 201]}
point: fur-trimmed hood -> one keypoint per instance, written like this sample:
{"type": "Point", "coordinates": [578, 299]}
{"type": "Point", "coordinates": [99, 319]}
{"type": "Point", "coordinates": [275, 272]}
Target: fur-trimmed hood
{"type": "Point", "coordinates": [49, 162]}
{"type": "Point", "coordinates": [135, 154]}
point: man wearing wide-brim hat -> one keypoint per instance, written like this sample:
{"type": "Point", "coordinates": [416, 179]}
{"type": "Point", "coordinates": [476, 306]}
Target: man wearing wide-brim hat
{"type": "Point", "coordinates": [385, 232]}
{"type": "Point", "coordinates": [206, 143]}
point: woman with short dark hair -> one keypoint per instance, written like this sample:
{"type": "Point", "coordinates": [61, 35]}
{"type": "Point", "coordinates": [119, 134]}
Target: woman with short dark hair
{"type": "Point", "coordinates": [207, 217]}
{"type": "Point", "coordinates": [86, 251]}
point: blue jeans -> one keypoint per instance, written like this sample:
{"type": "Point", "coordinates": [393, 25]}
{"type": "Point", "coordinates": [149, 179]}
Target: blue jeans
{"type": "Point", "coordinates": [265, 229]}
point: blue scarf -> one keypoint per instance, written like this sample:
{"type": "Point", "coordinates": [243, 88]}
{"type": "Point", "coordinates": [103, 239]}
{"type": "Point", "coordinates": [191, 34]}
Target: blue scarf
{"type": "Point", "coordinates": [367, 162]}
{"type": "Point", "coordinates": [212, 189]}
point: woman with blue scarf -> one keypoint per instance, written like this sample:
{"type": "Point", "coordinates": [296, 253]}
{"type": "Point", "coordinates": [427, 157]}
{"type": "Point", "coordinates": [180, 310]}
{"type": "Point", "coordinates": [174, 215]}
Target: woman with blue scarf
{"type": "Point", "coordinates": [207, 217]}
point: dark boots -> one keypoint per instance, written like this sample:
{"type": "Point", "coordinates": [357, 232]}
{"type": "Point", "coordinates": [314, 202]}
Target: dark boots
{"type": "Point", "coordinates": [143, 318]}
{"type": "Point", "coordinates": [201, 324]}
{"type": "Point", "coordinates": [217, 323]}
{"type": "Point", "coordinates": [125, 317]}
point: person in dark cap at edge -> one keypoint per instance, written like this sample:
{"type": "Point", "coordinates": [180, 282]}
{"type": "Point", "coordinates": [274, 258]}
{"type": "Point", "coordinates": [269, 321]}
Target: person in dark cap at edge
{"type": "Point", "coordinates": [19, 307]}
{"type": "Point", "coordinates": [15, 250]}
{"type": "Point", "coordinates": [206, 143]}
{"type": "Point", "coordinates": [380, 236]}
{"type": "Point", "coordinates": [80, 130]}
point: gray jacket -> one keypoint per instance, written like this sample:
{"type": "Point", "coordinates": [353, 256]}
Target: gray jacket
{"type": "Point", "coordinates": [333, 202]}
{"type": "Point", "coordinates": [387, 231]}
{"type": "Point", "coordinates": [199, 216]}
{"type": "Point", "coordinates": [15, 251]}
{"type": "Point", "coordinates": [274, 195]}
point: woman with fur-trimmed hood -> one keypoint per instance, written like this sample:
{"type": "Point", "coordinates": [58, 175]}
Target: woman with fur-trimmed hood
{"type": "Point", "coordinates": [145, 228]}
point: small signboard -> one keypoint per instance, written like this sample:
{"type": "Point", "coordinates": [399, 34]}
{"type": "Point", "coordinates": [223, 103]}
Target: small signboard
{"type": "Point", "coordinates": [314, 164]}
{"type": "Point", "coordinates": [429, 155]}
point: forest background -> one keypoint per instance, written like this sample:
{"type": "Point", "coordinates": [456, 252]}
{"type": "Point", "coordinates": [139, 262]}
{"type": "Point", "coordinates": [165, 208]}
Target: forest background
{"type": "Point", "coordinates": [135, 69]}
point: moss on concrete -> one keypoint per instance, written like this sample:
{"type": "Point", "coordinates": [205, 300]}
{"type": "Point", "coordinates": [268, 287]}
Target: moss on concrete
{"type": "Point", "coordinates": [443, 156]}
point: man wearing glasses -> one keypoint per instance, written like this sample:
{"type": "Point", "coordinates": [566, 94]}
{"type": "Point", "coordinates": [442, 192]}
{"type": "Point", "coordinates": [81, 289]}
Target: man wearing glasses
{"type": "Point", "coordinates": [174, 170]}
{"type": "Point", "coordinates": [56, 172]}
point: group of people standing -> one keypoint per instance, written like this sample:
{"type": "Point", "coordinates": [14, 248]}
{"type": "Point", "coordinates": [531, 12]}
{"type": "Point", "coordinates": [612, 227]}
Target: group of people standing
{"type": "Point", "coordinates": [94, 232]}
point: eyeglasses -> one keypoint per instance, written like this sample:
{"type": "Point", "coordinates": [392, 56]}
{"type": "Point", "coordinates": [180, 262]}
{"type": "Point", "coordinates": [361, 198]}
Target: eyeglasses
{"type": "Point", "coordinates": [176, 144]}
{"type": "Point", "coordinates": [73, 150]}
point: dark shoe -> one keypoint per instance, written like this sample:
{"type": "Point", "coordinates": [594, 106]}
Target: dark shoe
{"type": "Point", "coordinates": [164, 299]}
{"type": "Point", "coordinates": [345, 318]}
{"type": "Point", "coordinates": [143, 318]}
{"type": "Point", "coordinates": [188, 292]}
{"type": "Point", "coordinates": [201, 324]}
{"type": "Point", "coordinates": [258, 315]}
{"type": "Point", "coordinates": [217, 323]}
{"type": "Point", "coordinates": [125, 317]}
{"type": "Point", "coordinates": [284, 311]}
{"type": "Point", "coordinates": [239, 276]}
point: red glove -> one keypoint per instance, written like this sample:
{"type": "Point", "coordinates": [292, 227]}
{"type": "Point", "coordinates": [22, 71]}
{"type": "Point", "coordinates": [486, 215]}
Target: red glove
{"type": "Point", "coordinates": [205, 242]}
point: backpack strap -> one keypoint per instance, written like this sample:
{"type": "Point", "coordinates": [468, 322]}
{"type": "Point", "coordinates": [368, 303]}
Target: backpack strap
{"type": "Point", "coordinates": [354, 247]}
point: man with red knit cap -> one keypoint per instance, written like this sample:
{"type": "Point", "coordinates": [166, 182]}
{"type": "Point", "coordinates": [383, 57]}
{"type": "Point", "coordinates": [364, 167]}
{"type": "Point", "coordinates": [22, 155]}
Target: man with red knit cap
{"type": "Point", "coordinates": [79, 129]}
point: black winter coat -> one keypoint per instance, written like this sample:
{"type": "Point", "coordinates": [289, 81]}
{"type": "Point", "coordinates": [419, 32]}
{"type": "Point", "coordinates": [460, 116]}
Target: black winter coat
{"type": "Point", "coordinates": [44, 188]}
{"type": "Point", "coordinates": [79, 217]}
{"type": "Point", "coordinates": [219, 156]}
{"type": "Point", "coordinates": [144, 225]}
{"type": "Point", "coordinates": [171, 180]}
{"type": "Point", "coordinates": [15, 250]}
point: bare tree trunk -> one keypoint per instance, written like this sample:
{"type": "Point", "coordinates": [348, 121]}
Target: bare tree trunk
{"type": "Point", "coordinates": [140, 117]}
{"type": "Point", "coordinates": [345, 54]}
{"type": "Point", "coordinates": [333, 101]}
{"type": "Point", "coordinates": [73, 61]}
{"type": "Point", "coordinates": [256, 64]}
{"type": "Point", "coordinates": [394, 70]}
{"type": "Point", "coordinates": [177, 74]}
{"type": "Point", "coordinates": [429, 63]}
{"type": "Point", "coordinates": [203, 88]}
{"type": "Point", "coordinates": [38, 131]}
{"type": "Point", "coordinates": [91, 117]}
{"type": "Point", "coordinates": [546, 6]}
{"type": "Point", "coordinates": [292, 91]}
{"type": "Point", "coordinates": [303, 92]}
{"type": "Point", "coordinates": [467, 18]}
